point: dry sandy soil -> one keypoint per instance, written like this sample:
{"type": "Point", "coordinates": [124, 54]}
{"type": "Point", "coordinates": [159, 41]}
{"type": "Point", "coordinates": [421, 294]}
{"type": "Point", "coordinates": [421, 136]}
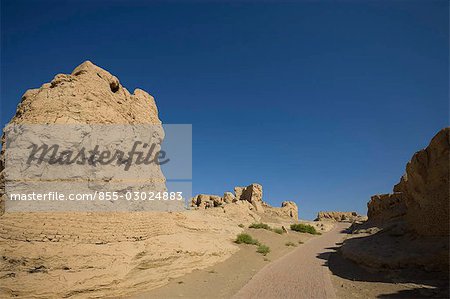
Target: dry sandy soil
{"type": "Point", "coordinates": [352, 280]}
{"type": "Point", "coordinates": [224, 279]}
{"type": "Point", "coordinates": [167, 255]}
{"type": "Point", "coordinates": [97, 255]}
{"type": "Point", "coordinates": [110, 255]}
{"type": "Point", "coordinates": [311, 270]}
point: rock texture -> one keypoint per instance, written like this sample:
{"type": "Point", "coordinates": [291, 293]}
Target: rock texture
{"type": "Point", "coordinates": [229, 197]}
{"type": "Point", "coordinates": [290, 209]}
{"type": "Point", "coordinates": [252, 193]}
{"type": "Point", "coordinates": [89, 95]}
{"type": "Point", "coordinates": [425, 187]}
{"type": "Point", "coordinates": [384, 208]}
{"type": "Point", "coordinates": [339, 216]}
{"type": "Point", "coordinates": [206, 201]}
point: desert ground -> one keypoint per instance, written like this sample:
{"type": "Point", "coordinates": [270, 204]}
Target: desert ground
{"type": "Point", "coordinates": [226, 278]}
{"type": "Point", "coordinates": [311, 267]}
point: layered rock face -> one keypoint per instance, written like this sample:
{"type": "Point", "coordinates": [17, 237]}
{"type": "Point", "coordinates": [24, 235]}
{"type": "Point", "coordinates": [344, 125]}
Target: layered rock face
{"type": "Point", "coordinates": [252, 193]}
{"type": "Point", "coordinates": [247, 198]}
{"type": "Point", "coordinates": [290, 208]}
{"type": "Point", "coordinates": [421, 198]}
{"type": "Point", "coordinates": [87, 96]}
{"type": "Point", "coordinates": [339, 216]}
{"type": "Point", "coordinates": [384, 208]}
{"type": "Point", "coordinates": [410, 227]}
{"type": "Point", "coordinates": [425, 187]}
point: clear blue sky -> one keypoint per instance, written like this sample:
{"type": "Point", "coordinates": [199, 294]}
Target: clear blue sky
{"type": "Point", "coordinates": [322, 103]}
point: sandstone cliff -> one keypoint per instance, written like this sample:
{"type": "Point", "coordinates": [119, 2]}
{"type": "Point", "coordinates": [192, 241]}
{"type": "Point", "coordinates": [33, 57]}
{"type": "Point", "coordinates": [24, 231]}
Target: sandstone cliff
{"type": "Point", "coordinates": [103, 254]}
{"type": "Point", "coordinates": [421, 198]}
{"type": "Point", "coordinates": [87, 96]}
{"type": "Point", "coordinates": [410, 227]}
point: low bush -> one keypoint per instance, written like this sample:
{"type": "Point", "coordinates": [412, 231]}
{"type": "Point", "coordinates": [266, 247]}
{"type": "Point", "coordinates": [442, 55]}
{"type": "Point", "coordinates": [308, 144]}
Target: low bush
{"type": "Point", "coordinates": [260, 226]}
{"type": "Point", "coordinates": [263, 249]}
{"type": "Point", "coordinates": [290, 244]}
{"type": "Point", "coordinates": [304, 228]}
{"type": "Point", "coordinates": [246, 239]}
{"type": "Point", "coordinates": [278, 231]}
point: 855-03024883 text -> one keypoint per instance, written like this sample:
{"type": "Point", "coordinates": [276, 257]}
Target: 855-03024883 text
{"type": "Point", "coordinates": [100, 195]}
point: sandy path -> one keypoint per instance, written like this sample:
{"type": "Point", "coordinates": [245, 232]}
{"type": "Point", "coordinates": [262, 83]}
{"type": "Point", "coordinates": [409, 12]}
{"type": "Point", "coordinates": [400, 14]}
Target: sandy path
{"type": "Point", "coordinates": [303, 273]}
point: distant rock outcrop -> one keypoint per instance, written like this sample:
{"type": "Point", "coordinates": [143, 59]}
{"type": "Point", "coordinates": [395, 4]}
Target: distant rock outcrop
{"type": "Point", "coordinates": [252, 193]}
{"type": "Point", "coordinates": [251, 198]}
{"type": "Point", "coordinates": [206, 201]}
{"type": "Point", "coordinates": [339, 216]}
{"type": "Point", "coordinates": [290, 209]}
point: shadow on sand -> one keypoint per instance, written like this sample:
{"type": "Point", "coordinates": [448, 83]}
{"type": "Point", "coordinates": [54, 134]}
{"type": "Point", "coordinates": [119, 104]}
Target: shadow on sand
{"type": "Point", "coordinates": [428, 286]}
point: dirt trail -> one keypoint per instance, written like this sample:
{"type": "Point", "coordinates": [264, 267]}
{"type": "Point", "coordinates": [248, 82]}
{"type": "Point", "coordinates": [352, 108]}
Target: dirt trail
{"type": "Point", "coordinates": [302, 273]}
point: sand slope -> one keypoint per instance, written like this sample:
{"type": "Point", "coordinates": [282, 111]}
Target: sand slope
{"type": "Point", "coordinates": [92, 255]}
{"type": "Point", "coordinates": [301, 274]}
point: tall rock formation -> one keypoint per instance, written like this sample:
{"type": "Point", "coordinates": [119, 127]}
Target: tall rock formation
{"type": "Point", "coordinates": [410, 227]}
{"type": "Point", "coordinates": [421, 198]}
{"type": "Point", "coordinates": [90, 96]}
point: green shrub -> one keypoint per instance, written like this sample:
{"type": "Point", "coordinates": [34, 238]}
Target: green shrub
{"type": "Point", "coordinates": [304, 228]}
{"type": "Point", "coordinates": [263, 249]}
{"type": "Point", "coordinates": [290, 244]}
{"type": "Point", "coordinates": [241, 225]}
{"type": "Point", "coordinates": [301, 242]}
{"type": "Point", "coordinates": [260, 226]}
{"type": "Point", "coordinates": [278, 231]}
{"type": "Point", "coordinates": [246, 239]}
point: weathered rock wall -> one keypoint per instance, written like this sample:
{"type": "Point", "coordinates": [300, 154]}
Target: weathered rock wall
{"type": "Point", "coordinates": [89, 95]}
{"type": "Point", "coordinates": [383, 208]}
{"type": "Point", "coordinates": [410, 227]}
{"type": "Point", "coordinates": [425, 187]}
{"type": "Point", "coordinates": [421, 198]}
